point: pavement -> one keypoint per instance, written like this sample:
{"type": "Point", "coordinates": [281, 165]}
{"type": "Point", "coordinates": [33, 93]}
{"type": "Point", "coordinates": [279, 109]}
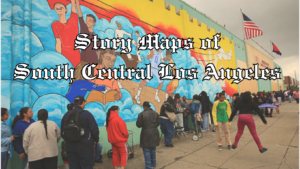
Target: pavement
{"type": "Point", "coordinates": [280, 136]}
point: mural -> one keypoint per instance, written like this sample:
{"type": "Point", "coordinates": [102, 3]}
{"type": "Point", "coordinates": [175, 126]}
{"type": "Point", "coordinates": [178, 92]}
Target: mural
{"type": "Point", "coordinates": [42, 33]}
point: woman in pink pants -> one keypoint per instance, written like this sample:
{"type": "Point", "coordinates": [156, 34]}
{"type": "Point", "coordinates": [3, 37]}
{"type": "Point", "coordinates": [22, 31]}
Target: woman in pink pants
{"type": "Point", "coordinates": [246, 106]}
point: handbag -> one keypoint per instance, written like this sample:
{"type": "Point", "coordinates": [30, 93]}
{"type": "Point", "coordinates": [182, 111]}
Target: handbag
{"type": "Point", "coordinates": [172, 116]}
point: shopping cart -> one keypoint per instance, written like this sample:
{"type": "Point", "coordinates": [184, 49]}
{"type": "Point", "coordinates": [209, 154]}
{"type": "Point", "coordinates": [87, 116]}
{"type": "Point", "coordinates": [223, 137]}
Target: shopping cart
{"type": "Point", "coordinates": [198, 131]}
{"type": "Point", "coordinates": [130, 148]}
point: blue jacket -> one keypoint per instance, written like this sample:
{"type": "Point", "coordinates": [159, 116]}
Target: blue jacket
{"type": "Point", "coordinates": [91, 131]}
{"type": "Point", "coordinates": [5, 136]}
{"type": "Point", "coordinates": [195, 105]}
{"type": "Point", "coordinates": [18, 132]}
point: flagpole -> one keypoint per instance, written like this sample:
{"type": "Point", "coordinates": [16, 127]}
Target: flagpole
{"type": "Point", "coordinates": [263, 48]}
{"type": "Point", "coordinates": [243, 24]}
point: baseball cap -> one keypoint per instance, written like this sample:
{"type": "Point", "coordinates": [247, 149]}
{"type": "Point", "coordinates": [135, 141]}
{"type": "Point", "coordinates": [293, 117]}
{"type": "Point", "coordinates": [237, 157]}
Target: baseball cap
{"type": "Point", "coordinates": [79, 99]}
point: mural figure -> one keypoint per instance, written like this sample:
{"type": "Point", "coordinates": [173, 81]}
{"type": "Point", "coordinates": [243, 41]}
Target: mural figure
{"type": "Point", "coordinates": [89, 55]}
{"type": "Point", "coordinates": [172, 86]}
{"type": "Point", "coordinates": [65, 31]}
{"type": "Point", "coordinates": [119, 33]}
{"type": "Point", "coordinates": [156, 57]}
{"type": "Point", "coordinates": [137, 44]}
{"type": "Point", "coordinates": [100, 90]}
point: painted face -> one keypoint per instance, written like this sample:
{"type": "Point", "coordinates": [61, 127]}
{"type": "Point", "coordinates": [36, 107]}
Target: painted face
{"type": "Point", "coordinates": [222, 98]}
{"type": "Point", "coordinates": [137, 34]}
{"type": "Point", "coordinates": [117, 111]}
{"type": "Point", "coordinates": [60, 9]}
{"type": "Point", "coordinates": [108, 60]}
{"type": "Point", "coordinates": [29, 113]}
{"type": "Point", "coordinates": [90, 22]}
{"type": "Point", "coordinates": [5, 117]}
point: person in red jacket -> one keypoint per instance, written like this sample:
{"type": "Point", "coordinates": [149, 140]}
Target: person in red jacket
{"type": "Point", "coordinates": [117, 135]}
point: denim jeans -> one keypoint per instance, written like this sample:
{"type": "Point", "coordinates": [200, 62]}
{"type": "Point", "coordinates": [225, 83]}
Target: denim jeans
{"type": "Point", "coordinates": [150, 157]}
{"type": "Point", "coordinates": [206, 121]}
{"type": "Point", "coordinates": [186, 123]}
{"type": "Point", "coordinates": [4, 159]}
{"type": "Point", "coordinates": [98, 150]}
{"type": "Point", "coordinates": [167, 128]}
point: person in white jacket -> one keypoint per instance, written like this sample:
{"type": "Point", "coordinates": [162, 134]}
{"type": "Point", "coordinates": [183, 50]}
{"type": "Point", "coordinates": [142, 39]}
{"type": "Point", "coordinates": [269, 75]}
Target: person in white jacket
{"type": "Point", "coordinates": [119, 33]}
{"type": "Point", "coordinates": [40, 142]}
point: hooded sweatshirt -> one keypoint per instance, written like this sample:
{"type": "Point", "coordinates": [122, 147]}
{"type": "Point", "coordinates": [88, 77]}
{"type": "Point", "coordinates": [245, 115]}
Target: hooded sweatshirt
{"type": "Point", "coordinates": [18, 132]}
{"type": "Point", "coordinates": [116, 129]}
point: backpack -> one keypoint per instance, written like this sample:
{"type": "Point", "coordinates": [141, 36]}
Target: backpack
{"type": "Point", "coordinates": [73, 130]}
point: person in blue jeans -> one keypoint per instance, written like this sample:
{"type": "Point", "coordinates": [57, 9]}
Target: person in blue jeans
{"type": "Point", "coordinates": [98, 156]}
{"type": "Point", "coordinates": [194, 109]}
{"type": "Point", "coordinates": [167, 127]}
{"type": "Point", "coordinates": [20, 124]}
{"type": "Point", "coordinates": [148, 120]}
{"type": "Point", "coordinates": [6, 138]}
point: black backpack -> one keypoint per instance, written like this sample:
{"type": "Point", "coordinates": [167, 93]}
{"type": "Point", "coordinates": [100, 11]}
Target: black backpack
{"type": "Point", "coordinates": [73, 130]}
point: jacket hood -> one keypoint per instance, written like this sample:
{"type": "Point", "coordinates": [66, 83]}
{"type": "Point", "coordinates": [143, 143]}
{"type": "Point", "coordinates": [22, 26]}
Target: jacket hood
{"type": "Point", "coordinates": [113, 114]}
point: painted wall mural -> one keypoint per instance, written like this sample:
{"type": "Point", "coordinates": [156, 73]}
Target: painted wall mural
{"type": "Point", "coordinates": [41, 33]}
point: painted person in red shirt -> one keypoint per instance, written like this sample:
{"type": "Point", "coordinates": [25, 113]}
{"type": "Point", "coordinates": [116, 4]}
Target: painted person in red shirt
{"type": "Point", "coordinates": [117, 135]}
{"type": "Point", "coordinates": [65, 32]}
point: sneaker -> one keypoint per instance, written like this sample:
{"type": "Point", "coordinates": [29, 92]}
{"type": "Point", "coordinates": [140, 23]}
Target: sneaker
{"type": "Point", "coordinates": [137, 99]}
{"type": "Point", "coordinates": [157, 99]}
{"type": "Point", "coordinates": [233, 147]}
{"type": "Point", "coordinates": [170, 145]}
{"type": "Point", "coordinates": [214, 130]}
{"type": "Point", "coordinates": [263, 150]}
{"type": "Point", "coordinates": [220, 148]}
{"type": "Point", "coordinates": [99, 161]}
{"type": "Point", "coordinates": [229, 147]}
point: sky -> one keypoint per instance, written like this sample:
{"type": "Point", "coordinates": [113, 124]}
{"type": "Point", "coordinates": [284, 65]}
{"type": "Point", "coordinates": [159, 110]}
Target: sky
{"type": "Point", "coordinates": [278, 20]}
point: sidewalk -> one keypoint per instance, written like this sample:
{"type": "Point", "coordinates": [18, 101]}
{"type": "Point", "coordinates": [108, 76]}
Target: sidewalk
{"type": "Point", "coordinates": [280, 136]}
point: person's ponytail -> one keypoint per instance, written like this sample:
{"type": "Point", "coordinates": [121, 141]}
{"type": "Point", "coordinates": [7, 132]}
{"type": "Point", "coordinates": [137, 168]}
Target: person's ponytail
{"type": "Point", "coordinates": [43, 116]}
{"type": "Point", "coordinates": [20, 116]}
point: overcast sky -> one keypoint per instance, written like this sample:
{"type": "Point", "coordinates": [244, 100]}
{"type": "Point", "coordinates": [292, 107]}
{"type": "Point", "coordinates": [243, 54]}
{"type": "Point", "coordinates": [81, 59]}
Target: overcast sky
{"type": "Point", "coordinates": [279, 21]}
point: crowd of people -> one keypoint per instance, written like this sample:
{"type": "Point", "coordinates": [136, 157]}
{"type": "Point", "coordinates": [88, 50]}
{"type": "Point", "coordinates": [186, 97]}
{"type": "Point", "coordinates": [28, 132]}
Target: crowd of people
{"type": "Point", "coordinates": [81, 147]}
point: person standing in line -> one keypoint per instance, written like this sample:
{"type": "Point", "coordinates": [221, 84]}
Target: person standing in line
{"type": "Point", "coordinates": [206, 104]}
{"type": "Point", "coordinates": [40, 142]}
{"type": "Point", "coordinates": [117, 135]}
{"type": "Point", "coordinates": [148, 120]}
{"type": "Point", "coordinates": [195, 107]}
{"type": "Point", "coordinates": [246, 107]}
{"type": "Point", "coordinates": [167, 127]}
{"type": "Point", "coordinates": [221, 112]}
{"type": "Point", "coordinates": [186, 114]}
{"type": "Point", "coordinates": [296, 96]}
{"type": "Point", "coordinates": [6, 138]}
{"type": "Point", "coordinates": [21, 122]}
{"type": "Point", "coordinates": [80, 149]}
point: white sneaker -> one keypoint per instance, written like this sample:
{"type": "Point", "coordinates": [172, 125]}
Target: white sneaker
{"type": "Point", "coordinates": [137, 99]}
{"type": "Point", "coordinates": [157, 99]}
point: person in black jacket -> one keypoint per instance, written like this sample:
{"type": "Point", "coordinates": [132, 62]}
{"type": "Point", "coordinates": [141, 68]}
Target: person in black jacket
{"type": "Point", "coordinates": [148, 120]}
{"type": "Point", "coordinates": [246, 106]}
{"type": "Point", "coordinates": [82, 153]}
{"type": "Point", "coordinates": [167, 127]}
{"type": "Point", "coordinates": [206, 105]}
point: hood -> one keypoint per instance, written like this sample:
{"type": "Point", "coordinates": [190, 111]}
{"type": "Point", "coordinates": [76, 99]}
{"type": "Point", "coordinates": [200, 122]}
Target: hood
{"type": "Point", "coordinates": [113, 114]}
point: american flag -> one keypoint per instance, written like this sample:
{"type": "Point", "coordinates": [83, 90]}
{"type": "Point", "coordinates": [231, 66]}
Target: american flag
{"type": "Point", "coordinates": [251, 30]}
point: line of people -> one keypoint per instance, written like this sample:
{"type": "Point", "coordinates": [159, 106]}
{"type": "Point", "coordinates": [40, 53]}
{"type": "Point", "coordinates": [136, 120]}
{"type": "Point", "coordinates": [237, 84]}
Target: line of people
{"type": "Point", "coordinates": [81, 133]}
